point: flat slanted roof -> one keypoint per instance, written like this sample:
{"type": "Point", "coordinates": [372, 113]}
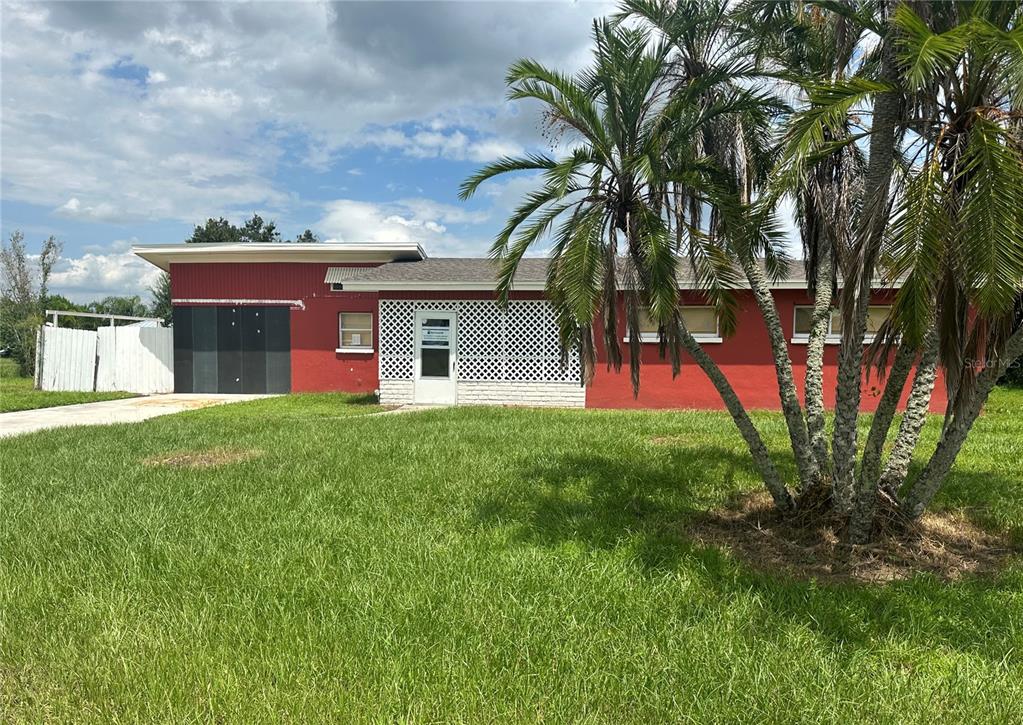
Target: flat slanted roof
{"type": "Point", "coordinates": [163, 255]}
{"type": "Point", "coordinates": [478, 273]}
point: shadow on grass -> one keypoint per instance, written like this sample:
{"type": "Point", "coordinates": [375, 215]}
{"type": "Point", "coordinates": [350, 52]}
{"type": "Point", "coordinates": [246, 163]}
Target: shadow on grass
{"type": "Point", "coordinates": [646, 504]}
{"type": "Point", "coordinates": [363, 399]}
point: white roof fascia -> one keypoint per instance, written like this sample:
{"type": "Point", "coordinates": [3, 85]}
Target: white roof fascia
{"type": "Point", "coordinates": [162, 255]}
{"type": "Point", "coordinates": [369, 286]}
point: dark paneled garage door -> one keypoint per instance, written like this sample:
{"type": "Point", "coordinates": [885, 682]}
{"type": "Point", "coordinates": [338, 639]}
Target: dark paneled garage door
{"type": "Point", "coordinates": [232, 349]}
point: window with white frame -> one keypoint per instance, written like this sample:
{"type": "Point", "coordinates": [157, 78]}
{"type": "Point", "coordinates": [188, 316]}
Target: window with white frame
{"type": "Point", "coordinates": [355, 332]}
{"type": "Point", "coordinates": [803, 323]}
{"type": "Point", "coordinates": [700, 320]}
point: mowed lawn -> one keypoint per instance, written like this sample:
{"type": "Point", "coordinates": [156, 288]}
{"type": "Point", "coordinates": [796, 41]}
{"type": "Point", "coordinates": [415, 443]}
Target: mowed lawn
{"type": "Point", "coordinates": [468, 565]}
{"type": "Point", "coordinates": [18, 393]}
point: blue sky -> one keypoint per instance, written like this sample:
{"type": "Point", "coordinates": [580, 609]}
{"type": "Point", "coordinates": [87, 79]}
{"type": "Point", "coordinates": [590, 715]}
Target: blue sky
{"type": "Point", "coordinates": [130, 123]}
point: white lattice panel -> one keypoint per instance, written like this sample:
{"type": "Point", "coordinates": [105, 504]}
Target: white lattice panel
{"type": "Point", "coordinates": [520, 344]}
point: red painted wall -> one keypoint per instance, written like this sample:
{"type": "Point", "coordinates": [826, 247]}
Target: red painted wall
{"type": "Point", "coordinates": [745, 358]}
{"type": "Point", "coordinates": [314, 330]}
{"type": "Point", "coordinates": [315, 366]}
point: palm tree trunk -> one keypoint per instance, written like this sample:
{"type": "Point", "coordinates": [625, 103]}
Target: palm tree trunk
{"type": "Point", "coordinates": [858, 278]}
{"type": "Point", "coordinates": [952, 438]}
{"type": "Point", "coordinates": [813, 395]}
{"type": "Point", "coordinates": [913, 418]}
{"type": "Point", "coordinates": [866, 493]}
{"type": "Point", "coordinates": [790, 406]}
{"type": "Point", "coordinates": [749, 432]}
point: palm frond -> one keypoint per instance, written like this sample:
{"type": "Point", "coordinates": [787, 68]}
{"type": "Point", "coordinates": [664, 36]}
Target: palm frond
{"type": "Point", "coordinates": [507, 164]}
{"type": "Point", "coordinates": [927, 54]}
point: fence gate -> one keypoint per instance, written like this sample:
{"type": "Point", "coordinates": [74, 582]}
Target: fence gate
{"type": "Point", "coordinates": [130, 359]}
{"type": "Point", "coordinates": [67, 359]}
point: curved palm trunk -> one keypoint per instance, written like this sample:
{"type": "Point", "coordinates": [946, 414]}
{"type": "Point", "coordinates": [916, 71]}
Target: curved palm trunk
{"type": "Point", "coordinates": [783, 371]}
{"type": "Point", "coordinates": [813, 395]}
{"type": "Point", "coordinates": [878, 178]}
{"type": "Point", "coordinates": [913, 418]}
{"type": "Point", "coordinates": [866, 491]}
{"type": "Point", "coordinates": [749, 432]}
{"type": "Point", "coordinates": [952, 438]}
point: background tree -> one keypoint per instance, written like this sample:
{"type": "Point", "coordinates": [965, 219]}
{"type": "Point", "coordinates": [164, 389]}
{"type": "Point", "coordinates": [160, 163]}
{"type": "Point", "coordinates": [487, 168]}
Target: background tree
{"type": "Point", "coordinates": [130, 306]}
{"type": "Point", "coordinates": [215, 231]}
{"type": "Point", "coordinates": [255, 229]}
{"type": "Point", "coordinates": [23, 291]}
{"type": "Point", "coordinates": [307, 237]}
{"type": "Point", "coordinates": [161, 305]}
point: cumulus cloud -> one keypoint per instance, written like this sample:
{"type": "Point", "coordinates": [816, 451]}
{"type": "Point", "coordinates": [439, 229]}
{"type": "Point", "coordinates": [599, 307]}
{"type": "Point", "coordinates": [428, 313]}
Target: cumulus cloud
{"type": "Point", "coordinates": [179, 110]}
{"type": "Point", "coordinates": [113, 270]}
{"type": "Point", "coordinates": [421, 221]}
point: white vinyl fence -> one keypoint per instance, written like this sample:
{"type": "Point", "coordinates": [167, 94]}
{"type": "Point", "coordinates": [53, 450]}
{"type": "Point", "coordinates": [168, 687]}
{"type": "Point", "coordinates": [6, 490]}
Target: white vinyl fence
{"type": "Point", "coordinates": [131, 359]}
{"type": "Point", "coordinates": [68, 359]}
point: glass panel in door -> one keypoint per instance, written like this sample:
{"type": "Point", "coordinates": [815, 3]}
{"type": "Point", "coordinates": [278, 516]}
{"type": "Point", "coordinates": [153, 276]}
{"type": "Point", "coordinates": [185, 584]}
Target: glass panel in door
{"type": "Point", "coordinates": [435, 347]}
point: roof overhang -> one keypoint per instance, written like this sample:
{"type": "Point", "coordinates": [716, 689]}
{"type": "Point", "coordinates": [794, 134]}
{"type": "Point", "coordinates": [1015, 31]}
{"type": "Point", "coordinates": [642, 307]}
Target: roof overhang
{"type": "Point", "coordinates": [163, 255]}
{"type": "Point", "coordinates": [356, 285]}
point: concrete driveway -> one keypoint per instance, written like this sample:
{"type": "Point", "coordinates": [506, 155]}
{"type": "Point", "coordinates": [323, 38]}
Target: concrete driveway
{"type": "Point", "coordinates": [127, 410]}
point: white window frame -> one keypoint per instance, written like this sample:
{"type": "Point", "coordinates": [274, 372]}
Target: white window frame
{"type": "Point", "coordinates": [705, 337]}
{"type": "Point", "coordinates": [799, 338]}
{"type": "Point", "coordinates": [337, 286]}
{"type": "Point", "coordinates": [367, 349]}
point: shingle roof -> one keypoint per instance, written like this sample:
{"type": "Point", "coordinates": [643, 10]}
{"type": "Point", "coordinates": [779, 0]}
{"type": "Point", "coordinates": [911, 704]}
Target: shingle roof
{"type": "Point", "coordinates": [474, 270]}
{"type": "Point", "coordinates": [479, 271]}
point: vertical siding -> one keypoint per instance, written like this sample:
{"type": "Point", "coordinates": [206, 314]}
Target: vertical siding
{"type": "Point", "coordinates": [252, 280]}
{"type": "Point", "coordinates": [130, 359]}
{"type": "Point", "coordinates": [69, 359]}
{"type": "Point", "coordinates": [136, 359]}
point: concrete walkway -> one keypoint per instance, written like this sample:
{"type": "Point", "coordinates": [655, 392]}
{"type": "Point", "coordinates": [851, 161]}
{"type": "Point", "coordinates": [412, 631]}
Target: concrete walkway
{"type": "Point", "coordinates": [127, 410]}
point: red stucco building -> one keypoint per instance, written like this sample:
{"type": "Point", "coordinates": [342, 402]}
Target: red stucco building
{"type": "Point", "coordinates": [387, 318]}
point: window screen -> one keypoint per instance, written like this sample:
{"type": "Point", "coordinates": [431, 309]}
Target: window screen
{"type": "Point", "coordinates": [876, 315]}
{"type": "Point", "coordinates": [701, 320]}
{"type": "Point", "coordinates": [356, 329]}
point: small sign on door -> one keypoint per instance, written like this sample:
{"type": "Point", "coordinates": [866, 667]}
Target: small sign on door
{"type": "Point", "coordinates": [436, 336]}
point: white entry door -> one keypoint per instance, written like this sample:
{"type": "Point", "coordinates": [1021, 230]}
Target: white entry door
{"type": "Point", "coordinates": [436, 348]}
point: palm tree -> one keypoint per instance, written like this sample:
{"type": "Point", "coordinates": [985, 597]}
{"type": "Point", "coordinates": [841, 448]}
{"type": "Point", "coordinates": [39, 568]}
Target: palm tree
{"type": "Point", "coordinates": [805, 47]}
{"type": "Point", "coordinates": [670, 159]}
{"type": "Point", "coordinates": [625, 204]}
{"type": "Point", "coordinates": [714, 63]}
{"type": "Point", "coordinates": [957, 238]}
{"type": "Point", "coordinates": [947, 88]}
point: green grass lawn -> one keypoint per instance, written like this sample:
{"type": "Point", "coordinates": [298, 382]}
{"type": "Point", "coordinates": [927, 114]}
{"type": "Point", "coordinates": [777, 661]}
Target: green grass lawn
{"type": "Point", "coordinates": [17, 393]}
{"type": "Point", "coordinates": [464, 565]}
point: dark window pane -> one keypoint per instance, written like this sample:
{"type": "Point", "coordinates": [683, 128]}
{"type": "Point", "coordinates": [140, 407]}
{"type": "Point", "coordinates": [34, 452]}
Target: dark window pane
{"type": "Point", "coordinates": [435, 362]}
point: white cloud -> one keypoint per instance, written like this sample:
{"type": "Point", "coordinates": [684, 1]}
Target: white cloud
{"type": "Point", "coordinates": [94, 275]}
{"type": "Point", "coordinates": [419, 221]}
{"type": "Point", "coordinates": [454, 145]}
{"type": "Point", "coordinates": [228, 87]}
